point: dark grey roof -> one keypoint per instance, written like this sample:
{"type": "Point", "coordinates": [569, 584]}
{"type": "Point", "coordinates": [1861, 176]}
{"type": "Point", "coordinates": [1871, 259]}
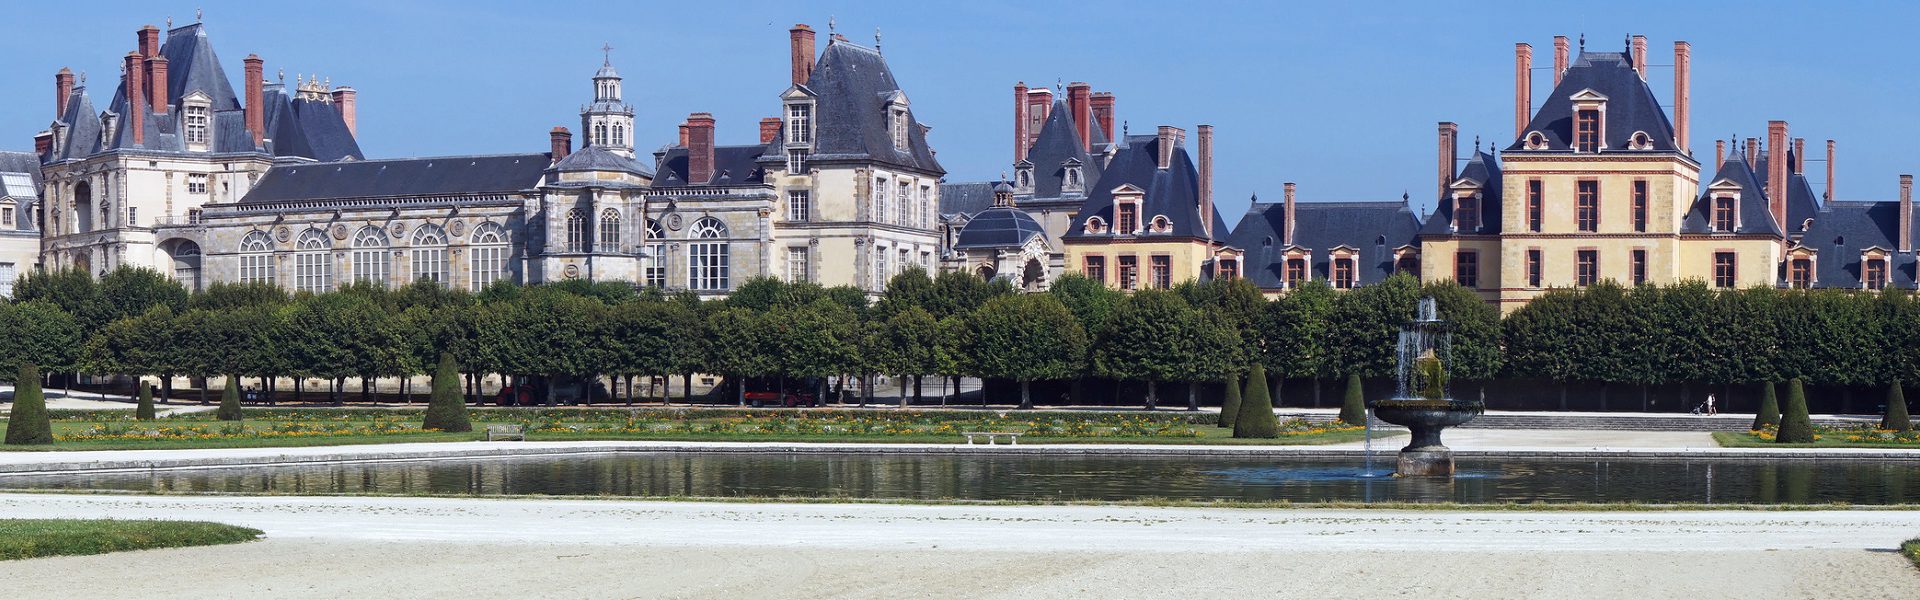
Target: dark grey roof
{"type": "Point", "coordinates": [444, 175]}
{"type": "Point", "coordinates": [230, 132]}
{"type": "Point", "coordinates": [1756, 216]}
{"type": "Point", "coordinates": [1801, 203]}
{"type": "Point", "coordinates": [1173, 191]}
{"type": "Point", "coordinates": [999, 227]}
{"type": "Point", "coordinates": [1843, 230]}
{"type": "Point", "coordinates": [1373, 229]}
{"type": "Point", "coordinates": [598, 158]}
{"type": "Point", "coordinates": [966, 198]}
{"type": "Point", "coordinates": [732, 165]}
{"type": "Point", "coordinates": [852, 86]}
{"type": "Point", "coordinates": [1482, 169]}
{"type": "Point", "coordinates": [307, 128]}
{"type": "Point", "coordinates": [21, 162]}
{"type": "Point", "coordinates": [83, 135]}
{"type": "Point", "coordinates": [192, 66]}
{"type": "Point", "coordinates": [1059, 142]}
{"type": "Point", "coordinates": [1631, 106]}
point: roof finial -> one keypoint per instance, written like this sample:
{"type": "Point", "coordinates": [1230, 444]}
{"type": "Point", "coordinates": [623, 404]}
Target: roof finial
{"type": "Point", "coordinates": [281, 74]}
{"type": "Point", "coordinates": [169, 22]}
{"type": "Point", "coordinates": [1476, 143]}
{"type": "Point", "coordinates": [1583, 42]}
{"type": "Point", "coordinates": [606, 54]}
{"type": "Point", "coordinates": [198, 15]}
{"type": "Point", "coordinates": [876, 40]}
{"type": "Point", "coordinates": [83, 79]}
{"type": "Point", "coordinates": [830, 25]}
{"type": "Point", "coordinates": [1404, 196]}
{"type": "Point", "coordinates": [1123, 129]}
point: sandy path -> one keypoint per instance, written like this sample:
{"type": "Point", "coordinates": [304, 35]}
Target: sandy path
{"type": "Point", "coordinates": [475, 548]}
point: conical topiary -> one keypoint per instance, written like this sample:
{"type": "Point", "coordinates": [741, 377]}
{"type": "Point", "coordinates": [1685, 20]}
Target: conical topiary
{"type": "Point", "coordinates": [446, 410]}
{"type": "Point", "coordinates": [144, 411]}
{"type": "Point", "coordinates": [28, 423]}
{"type": "Point", "coordinates": [1256, 409]}
{"type": "Point", "coordinates": [1354, 410]}
{"type": "Point", "coordinates": [1896, 419]}
{"type": "Point", "coordinates": [229, 401]}
{"type": "Point", "coordinates": [1796, 427]}
{"type": "Point", "coordinates": [1230, 409]}
{"type": "Point", "coordinates": [1769, 412]}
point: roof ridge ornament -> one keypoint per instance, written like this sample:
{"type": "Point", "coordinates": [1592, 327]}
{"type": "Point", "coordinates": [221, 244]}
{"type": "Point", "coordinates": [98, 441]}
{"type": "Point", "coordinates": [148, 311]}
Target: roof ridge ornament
{"type": "Point", "coordinates": [1583, 42]}
{"type": "Point", "coordinates": [606, 54]}
{"type": "Point", "coordinates": [876, 40]}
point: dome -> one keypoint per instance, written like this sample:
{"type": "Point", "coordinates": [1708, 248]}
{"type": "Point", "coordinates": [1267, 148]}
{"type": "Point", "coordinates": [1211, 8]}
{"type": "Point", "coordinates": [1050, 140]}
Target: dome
{"type": "Point", "coordinates": [598, 158]}
{"type": "Point", "coordinates": [999, 227]}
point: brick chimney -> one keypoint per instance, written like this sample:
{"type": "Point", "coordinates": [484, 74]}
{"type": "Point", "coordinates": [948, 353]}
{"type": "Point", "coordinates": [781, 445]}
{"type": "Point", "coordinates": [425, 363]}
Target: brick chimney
{"type": "Point", "coordinates": [256, 117]}
{"type": "Point", "coordinates": [699, 148]}
{"type": "Point", "coordinates": [562, 141]}
{"type": "Point", "coordinates": [346, 102]}
{"type": "Point", "coordinates": [801, 40]}
{"type": "Point", "coordinates": [1777, 171]}
{"type": "Point", "coordinates": [1080, 99]}
{"type": "Point", "coordinates": [1523, 87]}
{"type": "Point", "coordinates": [43, 143]}
{"type": "Point", "coordinates": [1286, 237]}
{"type": "Point", "coordinates": [1559, 58]}
{"type": "Point", "coordinates": [157, 84]}
{"type": "Point", "coordinates": [1205, 141]}
{"type": "Point", "coordinates": [62, 89]}
{"type": "Point", "coordinates": [1039, 108]}
{"type": "Point", "coordinates": [1906, 214]}
{"type": "Point", "coordinates": [1169, 138]}
{"type": "Point", "coordinates": [1449, 151]}
{"type": "Point", "coordinates": [1019, 121]}
{"type": "Point", "coordinates": [1640, 56]}
{"type": "Point", "coordinates": [1683, 97]}
{"type": "Point", "coordinates": [1753, 153]}
{"type": "Point", "coordinates": [149, 41]}
{"type": "Point", "coordinates": [1830, 196]}
{"type": "Point", "coordinates": [1719, 153]}
{"type": "Point", "coordinates": [769, 129]}
{"type": "Point", "coordinates": [136, 98]}
{"type": "Point", "coordinates": [1799, 156]}
{"type": "Point", "coordinates": [1103, 112]}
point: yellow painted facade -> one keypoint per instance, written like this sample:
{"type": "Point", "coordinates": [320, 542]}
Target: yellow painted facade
{"type": "Point", "coordinates": [1186, 258]}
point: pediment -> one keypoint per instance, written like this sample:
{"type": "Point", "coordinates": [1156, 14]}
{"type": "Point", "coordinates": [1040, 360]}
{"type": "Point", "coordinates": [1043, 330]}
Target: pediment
{"type": "Point", "coordinates": [1588, 95]}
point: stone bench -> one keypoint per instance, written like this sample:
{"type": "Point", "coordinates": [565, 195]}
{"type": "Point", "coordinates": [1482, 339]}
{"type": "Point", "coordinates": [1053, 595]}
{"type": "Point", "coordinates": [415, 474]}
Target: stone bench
{"type": "Point", "coordinates": [506, 432]}
{"type": "Point", "coordinates": [1013, 439]}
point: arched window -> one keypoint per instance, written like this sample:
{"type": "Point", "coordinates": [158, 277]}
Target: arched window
{"type": "Point", "coordinates": [619, 135]}
{"type": "Point", "coordinates": [256, 258]}
{"type": "Point", "coordinates": [609, 231]}
{"type": "Point", "coordinates": [707, 259]}
{"type": "Point", "coordinates": [576, 230]}
{"type": "Point", "coordinates": [370, 260]}
{"type": "Point", "coordinates": [599, 134]}
{"type": "Point", "coordinates": [656, 261]}
{"type": "Point", "coordinates": [313, 267]}
{"type": "Point", "coordinates": [429, 252]}
{"type": "Point", "coordinates": [487, 256]}
{"type": "Point", "coordinates": [1096, 225]}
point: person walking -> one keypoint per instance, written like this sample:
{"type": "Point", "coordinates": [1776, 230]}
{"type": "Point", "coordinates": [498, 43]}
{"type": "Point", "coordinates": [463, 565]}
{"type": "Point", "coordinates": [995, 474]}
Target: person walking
{"type": "Point", "coordinates": [1711, 410]}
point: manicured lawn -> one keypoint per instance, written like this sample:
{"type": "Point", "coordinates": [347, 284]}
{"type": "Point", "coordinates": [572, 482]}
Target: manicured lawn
{"type": "Point", "coordinates": [1742, 439]}
{"type": "Point", "coordinates": [33, 538]}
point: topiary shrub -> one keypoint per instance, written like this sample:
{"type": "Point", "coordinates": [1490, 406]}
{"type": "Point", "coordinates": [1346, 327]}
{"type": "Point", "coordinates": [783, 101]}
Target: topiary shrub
{"type": "Point", "coordinates": [28, 423]}
{"type": "Point", "coordinates": [1796, 427]}
{"type": "Point", "coordinates": [229, 401]}
{"type": "Point", "coordinates": [1256, 418]}
{"type": "Point", "coordinates": [144, 411]}
{"type": "Point", "coordinates": [1354, 410]}
{"type": "Point", "coordinates": [446, 409]}
{"type": "Point", "coordinates": [1896, 418]}
{"type": "Point", "coordinates": [1230, 409]}
{"type": "Point", "coordinates": [1769, 412]}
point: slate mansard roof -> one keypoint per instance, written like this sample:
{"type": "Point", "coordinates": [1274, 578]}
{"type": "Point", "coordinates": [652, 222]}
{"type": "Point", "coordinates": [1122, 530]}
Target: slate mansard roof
{"type": "Point", "coordinates": [1631, 107]}
{"type": "Point", "coordinates": [1372, 229]}
{"type": "Point", "coordinates": [1843, 230]}
{"type": "Point", "coordinates": [1059, 142]}
{"type": "Point", "coordinates": [852, 87]}
{"type": "Point", "coordinates": [732, 165]}
{"type": "Point", "coordinates": [1482, 170]}
{"type": "Point", "coordinates": [966, 199]}
{"type": "Point", "coordinates": [437, 176]}
{"type": "Point", "coordinates": [1173, 192]}
{"type": "Point", "coordinates": [597, 158]}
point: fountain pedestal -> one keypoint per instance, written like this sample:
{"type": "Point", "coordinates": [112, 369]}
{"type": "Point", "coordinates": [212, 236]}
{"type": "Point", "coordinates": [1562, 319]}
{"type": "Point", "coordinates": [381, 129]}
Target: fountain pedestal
{"type": "Point", "coordinates": [1425, 455]}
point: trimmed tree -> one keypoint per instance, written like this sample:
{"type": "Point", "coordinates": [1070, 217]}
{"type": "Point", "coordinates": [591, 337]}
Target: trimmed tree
{"type": "Point", "coordinates": [1354, 410]}
{"type": "Point", "coordinates": [1796, 427]}
{"type": "Point", "coordinates": [229, 401]}
{"type": "Point", "coordinates": [445, 410]}
{"type": "Point", "coordinates": [1769, 413]}
{"type": "Point", "coordinates": [1896, 418]}
{"type": "Point", "coordinates": [1256, 409]}
{"type": "Point", "coordinates": [1024, 337]}
{"type": "Point", "coordinates": [144, 411]}
{"type": "Point", "coordinates": [28, 423]}
{"type": "Point", "coordinates": [1230, 409]}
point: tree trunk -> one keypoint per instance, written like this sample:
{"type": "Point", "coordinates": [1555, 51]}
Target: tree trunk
{"type": "Point", "coordinates": [1026, 395]}
{"type": "Point", "coordinates": [1153, 394]}
{"type": "Point", "coordinates": [904, 400]}
{"type": "Point", "coordinates": [1316, 392]}
{"type": "Point", "coordinates": [686, 389]}
{"type": "Point", "coordinates": [943, 391]}
{"type": "Point", "coordinates": [1193, 395]}
{"type": "Point", "coordinates": [740, 390]}
{"type": "Point", "coordinates": [1563, 396]}
{"type": "Point", "coordinates": [916, 389]}
{"type": "Point", "coordinates": [1644, 406]}
{"type": "Point", "coordinates": [203, 391]}
{"type": "Point", "coordinates": [630, 390]}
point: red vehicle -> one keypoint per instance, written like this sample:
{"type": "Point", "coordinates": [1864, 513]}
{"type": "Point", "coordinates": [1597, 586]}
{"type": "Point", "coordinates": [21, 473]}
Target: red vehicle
{"type": "Point", "coordinates": [788, 400]}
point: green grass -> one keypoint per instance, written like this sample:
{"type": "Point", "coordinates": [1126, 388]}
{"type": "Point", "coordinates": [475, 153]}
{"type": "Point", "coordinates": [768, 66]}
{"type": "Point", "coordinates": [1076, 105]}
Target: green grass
{"type": "Point", "coordinates": [1912, 549]}
{"type": "Point", "coordinates": [1742, 439]}
{"type": "Point", "coordinates": [34, 538]}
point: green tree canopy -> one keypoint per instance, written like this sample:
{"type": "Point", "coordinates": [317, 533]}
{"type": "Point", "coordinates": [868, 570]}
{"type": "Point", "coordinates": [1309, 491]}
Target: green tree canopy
{"type": "Point", "coordinates": [1025, 338]}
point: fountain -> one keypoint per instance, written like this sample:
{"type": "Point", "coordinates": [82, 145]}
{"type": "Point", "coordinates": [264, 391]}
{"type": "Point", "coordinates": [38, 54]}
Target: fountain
{"type": "Point", "coordinates": [1421, 402]}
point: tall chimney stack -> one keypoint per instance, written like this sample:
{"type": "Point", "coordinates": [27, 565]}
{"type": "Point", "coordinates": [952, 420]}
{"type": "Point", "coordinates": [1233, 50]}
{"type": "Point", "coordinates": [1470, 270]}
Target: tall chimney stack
{"type": "Point", "coordinates": [1205, 141]}
{"type": "Point", "coordinates": [1103, 112]}
{"type": "Point", "coordinates": [1449, 152]}
{"type": "Point", "coordinates": [1799, 156]}
{"type": "Point", "coordinates": [157, 84]}
{"type": "Point", "coordinates": [1753, 153]}
{"type": "Point", "coordinates": [256, 76]}
{"type": "Point", "coordinates": [1682, 96]}
{"type": "Point", "coordinates": [1906, 214]}
{"type": "Point", "coordinates": [346, 101]}
{"type": "Point", "coordinates": [1640, 56]}
{"type": "Point", "coordinates": [1019, 121]}
{"type": "Point", "coordinates": [699, 148]}
{"type": "Point", "coordinates": [148, 38]}
{"type": "Point", "coordinates": [1286, 237]}
{"type": "Point", "coordinates": [1719, 153]}
{"type": "Point", "coordinates": [1559, 58]}
{"type": "Point", "coordinates": [1039, 108]}
{"type": "Point", "coordinates": [1523, 87]}
{"type": "Point", "coordinates": [769, 129]}
{"type": "Point", "coordinates": [562, 141]}
{"type": "Point", "coordinates": [801, 39]}
{"type": "Point", "coordinates": [136, 98]}
{"type": "Point", "coordinates": [1777, 171]}
{"type": "Point", "coordinates": [1830, 196]}
{"type": "Point", "coordinates": [1080, 99]}
{"type": "Point", "coordinates": [1168, 139]}
{"type": "Point", "coordinates": [42, 144]}
{"type": "Point", "coordinates": [62, 89]}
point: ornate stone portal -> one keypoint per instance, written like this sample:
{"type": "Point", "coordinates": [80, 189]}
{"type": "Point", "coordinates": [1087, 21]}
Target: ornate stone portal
{"type": "Point", "coordinates": [1421, 402]}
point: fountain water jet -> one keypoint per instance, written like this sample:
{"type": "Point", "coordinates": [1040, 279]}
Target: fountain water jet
{"type": "Point", "coordinates": [1421, 402]}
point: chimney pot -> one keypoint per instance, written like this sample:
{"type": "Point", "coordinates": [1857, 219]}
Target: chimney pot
{"type": "Point", "coordinates": [1719, 153]}
{"type": "Point", "coordinates": [1777, 171]}
{"type": "Point", "coordinates": [769, 129]}
{"type": "Point", "coordinates": [1753, 153]}
{"type": "Point", "coordinates": [1559, 58]}
{"type": "Point", "coordinates": [43, 144]}
{"type": "Point", "coordinates": [699, 148]}
{"type": "Point", "coordinates": [1019, 121]}
{"type": "Point", "coordinates": [1286, 237]}
{"type": "Point", "coordinates": [1799, 156]}
{"type": "Point", "coordinates": [1640, 56]}
{"type": "Point", "coordinates": [346, 102]}
{"type": "Point", "coordinates": [1205, 133]}
{"type": "Point", "coordinates": [1906, 214]}
{"type": "Point", "coordinates": [148, 39]}
{"type": "Point", "coordinates": [1449, 152]}
{"type": "Point", "coordinates": [1682, 96]}
{"type": "Point", "coordinates": [1169, 137]}
{"type": "Point", "coordinates": [1103, 112]}
{"type": "Point", "coordinates": [1523, 87]}
{"type": "Point", "coordinates": [136, 98]}
{"type": "Point", "coordinates": [562, 141]}
{"type": "Point", "coordinates": [157, 83]}
{"type": "Point", "coordinates": [1079, 98]}
{"type": "Point", "coordinates": [1830, 196]}
{"type": "Point", "coordinates": [800, 39]}
{"type": "Point", "coordinates": [62, 89]}
{"type": "Point", "coordinates": [256, 77]}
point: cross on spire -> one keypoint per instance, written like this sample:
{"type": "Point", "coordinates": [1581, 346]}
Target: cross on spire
{"type": "Point", "coordinates": [606, 54]}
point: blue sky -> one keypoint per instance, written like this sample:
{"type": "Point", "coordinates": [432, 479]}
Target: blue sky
{"type": "Point", "coordinates": [1340, 97]}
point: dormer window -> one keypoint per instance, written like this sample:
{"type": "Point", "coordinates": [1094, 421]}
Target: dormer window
{"type": "Point", "coordinates": [1873, 269]}
{"type": "Point", "coordinates": [193, 118]}
{"type": "Point", "coordinates": [1586, 134]}
{"type": "Point", "coordinates": [1724, 213]}
{"type": "Point", "coordinates": [1536, 141]}
{"type": "Point", "coordinates": [1023, 177]}
{"type": "Point", "coordinates": [1096, 225]}
{"type": "Point", "coordinates": [1640, 141]}
{"type": "Point", "coordinates": [1071, 181]}
{"type": "Point", "coordinates": [1161, 224]}
{"type": "Point", "coordinates": [800, 124]}
{"type": "Point", "coordinates": [1127, 217]}
{"type": "Point", "coordinates": [900, 123]}
{"type": "Point", "coordinates": [1466, 213]}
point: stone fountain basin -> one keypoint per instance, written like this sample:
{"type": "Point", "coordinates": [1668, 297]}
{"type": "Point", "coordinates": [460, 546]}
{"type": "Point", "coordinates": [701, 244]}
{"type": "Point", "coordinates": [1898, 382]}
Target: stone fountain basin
{"type": "Point", "coordinates": [1426, 417]}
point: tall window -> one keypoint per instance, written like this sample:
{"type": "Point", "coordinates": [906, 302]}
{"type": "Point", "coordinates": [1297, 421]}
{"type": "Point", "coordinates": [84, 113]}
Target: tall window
{"type": "Point", "coordinates": [1639, 266]}
{"type": "Point", "coordinates": [8, 273]}
{"type": "Point", "coordinates": [1128, 218]}
{"type": "Point", "coordinates": [900, 123]}
{"type": "Point", "coordinates": [1723, 269]}
{"type": "Point", "coordinates": [1534, 266]}
{"type": "Point", "coordinates": [1800, 273]}
{"type": "Point", "coordinates": [655, 274]}
{"type": "Point", "coordinates": [194, 116]}
{"type": "Point", "coordinates": [487, 256]}
{"type": "Point", "coordinates": [1536, 205]}
{"type": "Point", "coordinates": [906, 260]}
{"type": "Point", "coordinates": [1640, 205]}
{"type": "Point", "coordinates": [799, 124]}
{"type": "Point", "coordinates": [1129, 271]}
{"type": "Point", "coordinates": [799, 205]}
{"type": "Point", "coordinates": [904, 205]}
{"type": "Point", "coordinates": [429, 253]}
{"type": "Point", "coordinates": [6, 216]}
{"type": "Point", "coordinates": [1096, 268]}
{"type": "Point", "coordinates": [371, 263]}
{"type": "Point", "coordinates": [796, 162]}
{"type": "Point", "coordinates": [1296, 272]}
{"type": "Point", "coordinates": [1162, 271]}
{"type": "Point", "coordinates": [609, 231]}
{"type": "Point", "coordinates": [797, 264]}
{"type": "Point", "coordinates": [1875, 274]}
{"type": "Point", "coordinates": [707, 259]}
{"type": "Point", "coordinates": [1343, 272]}
{"type": "Point", "coordinates": [1467, 213]}
{"type": "Point", "coordinates": [196, 183]}
{"type": "Point", "coordinates": [576, 230]}
{"type": "Point", "coordinates": [880, 206]}
{"type": "Point", "coordinates": [880, 268]}
{"type": "Point", "coordinates": [925, 208]}
{"type": "Point", "coordinates": [1586, 268]}
{"type": "Point", "coordinates": [312, 263]}
{"type": "Point", "coordinates": [1586, 131]}
{"type": "Point", "coordinates": [1723, 213]}
{"type": "Point", "coordinates": [1229, 268]}
{"type": "Point", "coordinates": [1466, 268]}
{"type": "Point", "coordinates": [1587, 205]}
{"type": "Point", "coordinates": [256, 258]}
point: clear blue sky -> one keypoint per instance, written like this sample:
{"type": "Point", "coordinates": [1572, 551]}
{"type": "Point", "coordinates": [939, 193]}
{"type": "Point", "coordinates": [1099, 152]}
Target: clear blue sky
{"type": "Point", "coordinates": [1339, 97]}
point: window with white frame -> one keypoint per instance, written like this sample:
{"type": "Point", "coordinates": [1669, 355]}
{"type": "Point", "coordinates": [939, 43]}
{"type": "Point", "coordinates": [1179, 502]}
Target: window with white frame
{"type": "Point", "coordinates": [428, 249]}
{"type": "Point", "coordinates": [133, 216]}
{"type": "Point", "coordinates": [926, 207]}
{"type": "Point", "coordinates": [707, 260]}
{"type": "Point", "coordinates": [799, 205]}
{"type": "Point", "coordinates": [905, 204]}
{"type": "Point", "coordinates": [576, 230]}
{"type": "Point", "coordinates": [371, 263]}
{"type": "Point", "coordinates": [880, 190]}
{"type": "Point", "coordinates": [312, 263]}
{"type": "Point", "coordinates": [6, 216]}
{"type": "Point", "coordinates": [8, 273]}
{"type": "Point", "coordinates": [256, 258]}
{"type": "Point", "coordinates": [195, 119]}
{"type": "Point", "coordinates": [656, 269]}
{"type": "Point", "coordinates": [487, 255]}
{"type": "Point", "coordinates": [609, 231]}
{"type": "Point", "coordinates": [799, 123]}
{"type": "Point", "coordinates": [900, 125]}
{"type": "Point", "coordinates": [880, 270]}
{"type": "Point", "coordinates": [906, 260]}
{"type": "Point", "coordinates": [196, 183]}
{"type": "Point", "coordinates": [796, 162]}
{"type": "Point", "coordinates": [797, 263]}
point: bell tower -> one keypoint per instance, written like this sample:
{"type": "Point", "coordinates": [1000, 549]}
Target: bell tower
{"type": "Point", "coordinates": [608, 121]}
